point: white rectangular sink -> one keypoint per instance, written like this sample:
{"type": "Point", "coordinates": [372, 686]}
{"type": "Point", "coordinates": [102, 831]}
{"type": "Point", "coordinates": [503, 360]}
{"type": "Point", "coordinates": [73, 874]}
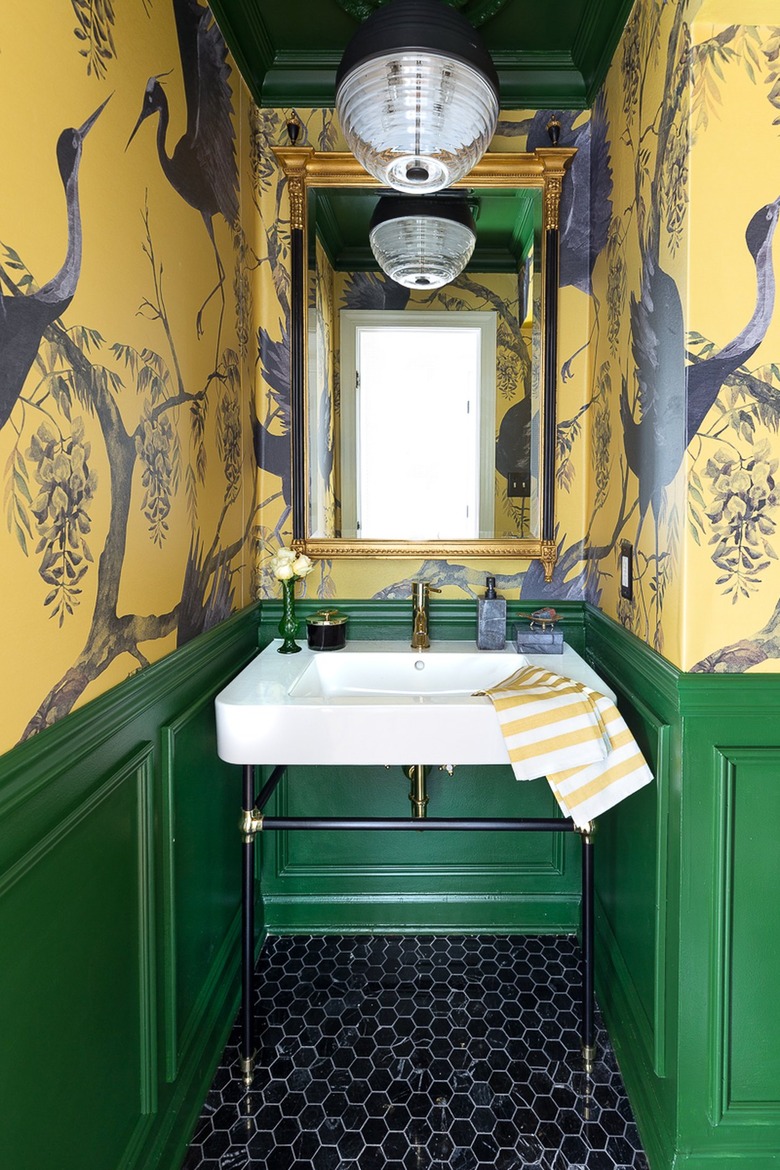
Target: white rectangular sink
{"type": "Point", "coordinates": [377, 673]}
{"type": "Point", "coordinates": [374, 703]}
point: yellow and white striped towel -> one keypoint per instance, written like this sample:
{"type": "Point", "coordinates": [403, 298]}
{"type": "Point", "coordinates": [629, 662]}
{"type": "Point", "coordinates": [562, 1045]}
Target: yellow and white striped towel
{"type": "Point", "coordinates": [571, 734]}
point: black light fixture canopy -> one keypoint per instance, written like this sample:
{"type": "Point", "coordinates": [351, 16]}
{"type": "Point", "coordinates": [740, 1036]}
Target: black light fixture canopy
{"type": "Point", "coordinates": [417, 95]}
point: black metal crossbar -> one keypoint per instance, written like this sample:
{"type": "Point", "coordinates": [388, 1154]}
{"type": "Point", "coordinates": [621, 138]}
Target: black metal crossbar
{"type": "Point", "coordinates": [426, 825]}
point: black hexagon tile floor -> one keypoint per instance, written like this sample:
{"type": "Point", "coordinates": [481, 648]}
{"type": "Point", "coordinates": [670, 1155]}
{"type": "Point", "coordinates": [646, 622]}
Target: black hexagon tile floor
{"type": "Point", "coordinates": [418, 1053]}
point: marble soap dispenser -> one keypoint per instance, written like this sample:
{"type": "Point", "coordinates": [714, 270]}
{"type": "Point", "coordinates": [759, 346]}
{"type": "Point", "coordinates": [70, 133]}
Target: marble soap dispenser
{"type": "Point", "coordinates": [491, 619]}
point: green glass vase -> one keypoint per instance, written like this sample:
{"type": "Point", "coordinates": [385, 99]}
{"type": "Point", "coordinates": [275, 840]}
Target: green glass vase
{"type": "Point", "coordinates": [288, 626]}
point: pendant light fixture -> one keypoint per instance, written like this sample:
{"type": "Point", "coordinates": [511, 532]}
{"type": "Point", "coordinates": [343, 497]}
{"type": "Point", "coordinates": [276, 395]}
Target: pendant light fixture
{"type": "Point", "coordinates": [417, 95]}
{"type": "Point", "coordinates": [420, 241]}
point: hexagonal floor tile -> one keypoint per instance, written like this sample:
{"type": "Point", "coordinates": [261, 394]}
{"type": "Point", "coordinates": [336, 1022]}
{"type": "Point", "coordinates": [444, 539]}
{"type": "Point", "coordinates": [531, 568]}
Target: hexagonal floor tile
{"type": "Point", "coordinates": [432, 1052]}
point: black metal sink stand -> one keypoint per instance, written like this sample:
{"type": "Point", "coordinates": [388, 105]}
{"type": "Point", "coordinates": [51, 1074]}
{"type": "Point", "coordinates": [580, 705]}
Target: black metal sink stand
{"type": "Point", "coordinates": [253, 821]}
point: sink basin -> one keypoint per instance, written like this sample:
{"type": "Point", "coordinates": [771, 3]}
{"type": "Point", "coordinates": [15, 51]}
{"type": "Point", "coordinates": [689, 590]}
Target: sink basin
{"type": "Point", "coordinates": [374, 703]}
{"type": "Point", "coordinates": [377, 673]}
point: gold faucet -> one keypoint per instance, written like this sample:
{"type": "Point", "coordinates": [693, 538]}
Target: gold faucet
{"type": "Point", "coordinates": [420, 591]}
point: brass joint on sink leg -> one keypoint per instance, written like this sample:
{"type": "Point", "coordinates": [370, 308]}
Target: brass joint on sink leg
{"type": "Point", "coordinates": [248, 1069]}
{"type": "Point", "coordinates": [588, 1056]}
{"type": "Point", "coordinates": [587, 832]}
{"type": "Point", "coordinates": [250, 824]}
{"type": "Point", "coordinates": [418, 794]}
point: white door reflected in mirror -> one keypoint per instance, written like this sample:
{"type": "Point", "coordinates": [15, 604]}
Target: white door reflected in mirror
{"type": "Point", "coordinates": [418, 409]}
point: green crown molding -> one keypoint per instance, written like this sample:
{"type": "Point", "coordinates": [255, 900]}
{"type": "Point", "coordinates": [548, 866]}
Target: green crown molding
{"type": "Point", "coordinates": [595, 45]}
{"type": "Point", "coordinates": [527, 80]}
{"type": "Point", "coordinates": [248, 39]}
{"type": "Point", "coordinates": [539, 81]}
{"type": "Point", "coordinates": [280, 71]}
{"type": "Point", "coordinates": [477, 11]}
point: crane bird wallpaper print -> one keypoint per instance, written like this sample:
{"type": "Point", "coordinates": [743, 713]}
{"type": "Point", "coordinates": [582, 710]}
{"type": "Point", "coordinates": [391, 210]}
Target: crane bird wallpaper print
{"type": "Point", "coordinates": [123, 443]}
{"type": "Point", "coordinates": [146, 468]}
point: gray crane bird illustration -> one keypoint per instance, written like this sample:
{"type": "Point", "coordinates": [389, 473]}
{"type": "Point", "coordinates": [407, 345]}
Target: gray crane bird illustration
{"type": "Point", "coordinates": [24, 318]}
{"type": "Point", "coordinates": [706, 377]}
{"type": "Point", "coordinates": [273, 452]}
{"type": "Point", "coordinates": [675, 399]}
{"type": "Point", "coordinates": [202, 168]}
{"type": "Point", "coordinates": [655, 444]}
{"type": "Point", "coordinates": [588, 182]}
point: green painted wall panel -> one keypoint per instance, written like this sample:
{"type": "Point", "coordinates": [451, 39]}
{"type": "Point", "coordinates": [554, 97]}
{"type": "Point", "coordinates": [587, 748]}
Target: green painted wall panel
{"type": "Point", "coordinates": [540, 869]}
{"type": "Point", "coordinates": [200, 866]}
{"type": "Point", "coordinates": [729, 1030]}
{"type": "Point", "coordinates": [119, 893]}
{"type": "Point", "coordinates": [411, 860]}
{"type": "Point", "coordinates": [751, 943]}
{"type": "Point", "coordinates": [77, 1006]}
{"type": "Point", "coordinates": [119, 883]}
{"type": "Point", "coordinates": [637, 884]}
{"type": "Point", "coordinates": [691, 891]}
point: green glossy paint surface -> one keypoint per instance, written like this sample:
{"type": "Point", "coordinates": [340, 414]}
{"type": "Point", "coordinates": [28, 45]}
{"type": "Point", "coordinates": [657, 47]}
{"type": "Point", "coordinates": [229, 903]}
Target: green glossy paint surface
{"type": "Point", "coordinates": [288, 50]}
{"type": "Point", "coordinates": [119, 898]}
{"type": "Point", "coordinates": [688, 929]}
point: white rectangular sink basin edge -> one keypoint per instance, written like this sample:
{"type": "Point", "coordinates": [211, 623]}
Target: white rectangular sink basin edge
{"type": "Point", "coordinates": [374, 703]}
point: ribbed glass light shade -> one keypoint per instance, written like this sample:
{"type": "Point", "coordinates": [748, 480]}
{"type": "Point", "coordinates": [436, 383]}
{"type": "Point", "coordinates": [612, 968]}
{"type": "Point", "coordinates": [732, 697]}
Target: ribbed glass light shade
{"type": "Point", "coordinates": [419, 248]}
{"type": "Point", "coordinates": [417, 123]}
{"type": "Point", "coordinates": [417, 96]}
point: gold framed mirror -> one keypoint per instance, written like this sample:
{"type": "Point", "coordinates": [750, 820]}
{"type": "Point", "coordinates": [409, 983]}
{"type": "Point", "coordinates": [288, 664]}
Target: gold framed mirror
{"type": "Point", "coordinates": [382, 377]}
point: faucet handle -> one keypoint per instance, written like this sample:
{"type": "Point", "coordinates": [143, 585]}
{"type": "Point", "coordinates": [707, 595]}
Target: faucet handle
{"type": "Point", "coordinates": [421, 589]}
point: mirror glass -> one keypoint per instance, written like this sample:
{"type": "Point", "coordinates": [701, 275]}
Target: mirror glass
{"type": "Point", "coordinates": [423, 419]}
{"type": "Point", "coordinates": [422, 402]}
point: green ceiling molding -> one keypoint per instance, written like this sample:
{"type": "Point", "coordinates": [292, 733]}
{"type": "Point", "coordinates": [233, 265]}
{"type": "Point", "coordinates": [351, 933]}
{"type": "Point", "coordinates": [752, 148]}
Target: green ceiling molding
{"type": "Point", "coordinates": [288, 55]}
{"type": "Point", "coordinates": [478, 11]}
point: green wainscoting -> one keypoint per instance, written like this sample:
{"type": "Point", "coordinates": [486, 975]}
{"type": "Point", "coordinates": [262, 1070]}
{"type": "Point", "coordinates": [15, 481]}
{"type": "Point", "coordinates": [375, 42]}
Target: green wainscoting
{"type": "Point", "coordinates": [119, 897]}
{"type": "Point", "coordinates": [688, 877]}
{"type": "Point", "coordinates": [119, 914]}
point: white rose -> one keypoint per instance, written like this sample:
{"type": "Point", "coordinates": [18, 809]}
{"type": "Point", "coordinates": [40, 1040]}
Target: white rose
{"type": "Point", "coordinates": [302, 565]}
{"type": "Point", "coordinates": [282, 560]}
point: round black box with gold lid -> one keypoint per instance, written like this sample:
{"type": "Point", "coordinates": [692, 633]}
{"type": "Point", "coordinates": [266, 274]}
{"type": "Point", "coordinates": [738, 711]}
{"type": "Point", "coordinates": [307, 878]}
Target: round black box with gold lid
{"type": "Point", "coordinates": [326, 630]}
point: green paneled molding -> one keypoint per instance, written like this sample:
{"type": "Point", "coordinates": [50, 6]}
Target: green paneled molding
{"type": "Point", "coordinates": [119, 897]}
{"type": "Point", "coordinates": [455, 619]}
{"type": "Point", "coordinates": [119, 915]}
{"type": "Point", "coordinates": [688, 954]}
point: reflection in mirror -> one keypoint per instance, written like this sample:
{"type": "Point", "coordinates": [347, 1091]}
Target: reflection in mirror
{"type": "Point", "coordinates": [432, 398]}
{"type": "Point", "coordinates": [417, 408]}
{"type": "Point", "coordinates": [428, 412]}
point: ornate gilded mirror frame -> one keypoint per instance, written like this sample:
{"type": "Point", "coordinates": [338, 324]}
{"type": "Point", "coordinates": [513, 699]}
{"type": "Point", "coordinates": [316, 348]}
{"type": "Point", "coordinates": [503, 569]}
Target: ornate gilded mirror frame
{"type": "Point", "coordinates": [544, 170]}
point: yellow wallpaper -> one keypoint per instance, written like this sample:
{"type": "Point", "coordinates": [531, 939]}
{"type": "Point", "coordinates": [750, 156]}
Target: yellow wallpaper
{"type": "Point", "coordinates": [145, 486]}
{"type": "Point", "coordinates": [733, 499]}
{"type": "Point", "coordinates": [663, 312]}
{"type": "Point", "coordinates": [684, 372]}
{"type": "Point", "coordinates": [125, 449]}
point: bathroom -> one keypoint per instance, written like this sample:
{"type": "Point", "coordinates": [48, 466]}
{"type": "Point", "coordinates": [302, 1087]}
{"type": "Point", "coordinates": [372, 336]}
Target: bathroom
{"type": "Point", "coordinates": [146, 483]}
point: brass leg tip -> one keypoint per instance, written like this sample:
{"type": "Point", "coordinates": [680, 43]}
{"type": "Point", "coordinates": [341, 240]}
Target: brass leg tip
{"type": "Point", "coordinates": [589, 1056]}
{"type": "Point", "coordinates": [248, 1069]}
